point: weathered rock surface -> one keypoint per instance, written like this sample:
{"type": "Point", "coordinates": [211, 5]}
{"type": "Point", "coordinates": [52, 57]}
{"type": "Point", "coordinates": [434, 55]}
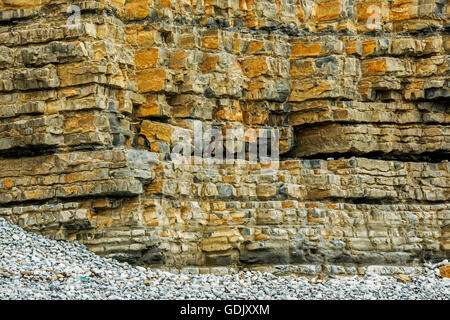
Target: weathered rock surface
{"type": "Point", "coordinates": [91, 108]}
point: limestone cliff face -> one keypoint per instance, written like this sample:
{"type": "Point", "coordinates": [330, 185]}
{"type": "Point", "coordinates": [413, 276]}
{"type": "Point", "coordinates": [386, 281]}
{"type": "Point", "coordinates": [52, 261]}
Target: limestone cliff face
{"type": "Point", "coordinates": [359, 91]}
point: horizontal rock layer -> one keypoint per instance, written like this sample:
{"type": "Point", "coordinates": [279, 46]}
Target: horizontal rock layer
{"type": "Point", "coordinates": [385, 138]}
{"type": "Point", "coordinates": [245, 233]}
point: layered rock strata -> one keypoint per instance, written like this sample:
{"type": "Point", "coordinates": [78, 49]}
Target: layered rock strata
{"type": "Point", "coordinates": [94, 95]}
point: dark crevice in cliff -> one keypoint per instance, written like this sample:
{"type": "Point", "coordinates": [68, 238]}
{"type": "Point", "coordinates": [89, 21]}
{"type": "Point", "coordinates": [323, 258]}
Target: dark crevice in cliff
{"type": "Point", "coordinates": [433, 157]}
{"type": "Point", "coordinates": [331, 199]}
{"type": "Point", "coordinates": [60, 200]}
{"type": "Point", "coordinates": [381, 201]}
{"type": "Point", "coordinates": [398, 125]}
{"type": "Point", "coordinates": [120, 198]}
{"type": "Point", "coordinates": [44, 150]}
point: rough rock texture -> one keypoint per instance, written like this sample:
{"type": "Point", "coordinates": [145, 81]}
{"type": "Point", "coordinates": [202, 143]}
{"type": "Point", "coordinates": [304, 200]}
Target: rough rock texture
{"type": "Point", "coordinates": [35, 268]}
{"type": "Point", "coordinates": [89, 110]}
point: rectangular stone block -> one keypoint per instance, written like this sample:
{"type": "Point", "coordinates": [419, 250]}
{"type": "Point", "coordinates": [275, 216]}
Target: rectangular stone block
{"type": "Point", "coordinates": [360, 139]}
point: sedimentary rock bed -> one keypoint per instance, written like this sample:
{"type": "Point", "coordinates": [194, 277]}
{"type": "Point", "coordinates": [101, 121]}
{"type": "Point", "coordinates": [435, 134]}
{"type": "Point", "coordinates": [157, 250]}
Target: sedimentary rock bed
{"type": "Point", "coordinates": [92, 104]}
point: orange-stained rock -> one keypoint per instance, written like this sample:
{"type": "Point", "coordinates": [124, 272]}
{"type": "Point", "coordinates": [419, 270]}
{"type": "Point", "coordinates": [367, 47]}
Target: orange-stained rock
{"type": "Point", "coordinates": [369, 47]}
{"type": "Point", "coordinates": [137, 9]}
{"type": "Point", "coordinates": [21, 4]}
{"type": "Point", "coordinates": [163, 3]}
{"type": "Point", "coordinates": [210, 40]}
{"type": "Point", "coordinates": [156, 131]}
{"type": "Point", "coordinates": [445, 271]}
{"type": "Point", "coordinates": [373, 66]}
{"type": "Point", "coordinates": [8, 183]}
{"type": "Point", "coordinates": [306, 49]}
{"type": "Point", "coordinates": [328, 10]}
{"type": "Point", "coordinates": [146, 58]}
{"type": "Point", "coordinates": [367, 9]}
{"type": "Point", "coordinates": [151, 80]}
{"type": "Point", "coordinates": [209, 63]}
{"type": "Point", "coordinates": [146, 38]}
{"type": "Point", "coordinates": [254, 66]}
{"type": "Point", "coordinates": [300, 13]}
{"type": "Point", "coordinates": [254, 47]}
{"type": "Point", "coordinates": [230, 114]}
{"type": "Point", "coordinates": [401, 10]}
{"type": "Point", "coordinates": [81, 123]}
{"type": "Point", "coordinates": [150, 108]}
